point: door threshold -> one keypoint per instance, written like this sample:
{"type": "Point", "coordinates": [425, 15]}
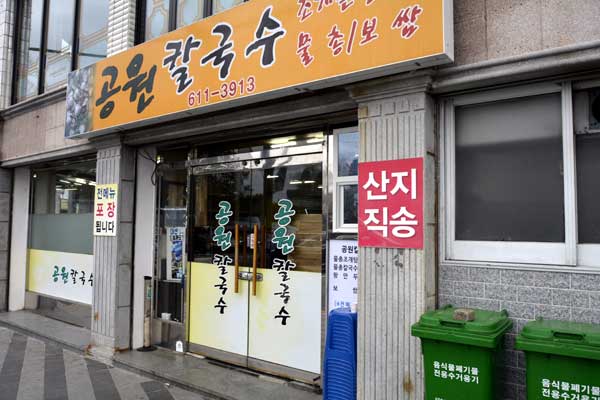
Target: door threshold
{"type": "Point", "coordinates": [265, 376]}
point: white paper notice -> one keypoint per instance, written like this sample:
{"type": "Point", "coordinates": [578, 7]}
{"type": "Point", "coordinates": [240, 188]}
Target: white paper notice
{"type": "Point", "coordinates": [343, 273]}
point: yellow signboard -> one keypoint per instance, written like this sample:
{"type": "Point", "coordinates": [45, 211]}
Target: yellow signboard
{"type": "Point", "coordinates": [258, 50]}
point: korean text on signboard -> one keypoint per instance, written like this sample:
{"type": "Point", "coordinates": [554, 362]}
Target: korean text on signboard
{"type": "Point", "coordinates": [258, 48]}
{"type": "Point", "coordinates": [390, 204]}
{"type": "Point", "coordinates": [105, 210]}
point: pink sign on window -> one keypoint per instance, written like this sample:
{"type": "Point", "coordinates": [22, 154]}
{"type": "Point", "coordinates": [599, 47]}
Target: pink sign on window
{"type": "Point", "coordinates": [390, 204]}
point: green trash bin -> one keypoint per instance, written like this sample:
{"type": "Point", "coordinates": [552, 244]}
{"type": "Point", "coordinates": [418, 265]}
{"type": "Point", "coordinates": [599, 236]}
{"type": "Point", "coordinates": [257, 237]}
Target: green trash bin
{"type": "Point", "coordinates": [461, 358]}
{"type": "Point", "coordinates": [563, 360]}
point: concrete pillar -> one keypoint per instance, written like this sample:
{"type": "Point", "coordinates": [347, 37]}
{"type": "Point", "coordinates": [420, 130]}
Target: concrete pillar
{"type": "Point", "coordinates": [121, 26]}
{"type": "Point", "coordinates": [111, 307]}
{"type": "Point", "coordinates": [19, 239]}
{"type": "Point", "coordinates": [396, 121]}
{"type": "Point", "coordinates": [5, 201]}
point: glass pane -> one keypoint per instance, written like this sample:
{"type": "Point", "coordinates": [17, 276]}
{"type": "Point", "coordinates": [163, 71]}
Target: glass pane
{"type": "Point", "coordinates": [509, 183]}
{"type": "Point", "coordinates": [588, 187]}
{"type": "Point", "coordinates": [171, 254]}
{"type": "Point", "coordinates": [189, 11]}
{"type": "Point", "coordinates": [350, 195]}
{"type": "Point", "coordinates": [62, 206]}
{"type": "Point", "coordinates": [586, 113]}
{"type": "Point", "coordinates": [157, 18]}
{"type": "Point", "coordinates": [222, 5]}
{"type": "Point", "coordinates": [302, 185]}
{"type": "Point", "coordinates": [92, 31]}
{"type": "Point", "coordinates": [348, 154]}
{"type": "Point", "coordinates": [29, 50]}
{"type": "Point", "coordinates": [60, 37]}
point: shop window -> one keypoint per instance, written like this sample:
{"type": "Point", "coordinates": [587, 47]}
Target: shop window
{"type": "Point", "coordinates": [60, 251]}
{"type": "Point", "coordinates": [345, 180]}
{"type": "Point", "coordinates": [162, 16]}
{"type": "Point", "coordinates": [171, 257]}
{"type": "Point", "coordinates": [520, 178]}
{"type": "Point", "coordinates": [49, 32]}
{"type": "Point", "coordinates": [62, 205]}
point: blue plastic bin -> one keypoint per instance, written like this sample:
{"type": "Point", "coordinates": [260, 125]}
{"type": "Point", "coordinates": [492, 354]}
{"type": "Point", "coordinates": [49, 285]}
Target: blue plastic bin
{"type": "Point", "coordinates": [339, 369]}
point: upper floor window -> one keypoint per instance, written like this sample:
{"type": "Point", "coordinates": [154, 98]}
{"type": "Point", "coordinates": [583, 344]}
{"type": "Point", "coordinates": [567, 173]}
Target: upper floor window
{"type": "Point", "coordinates": [162, 16]}
{"type": "Point", "coordinates": [49, 34]}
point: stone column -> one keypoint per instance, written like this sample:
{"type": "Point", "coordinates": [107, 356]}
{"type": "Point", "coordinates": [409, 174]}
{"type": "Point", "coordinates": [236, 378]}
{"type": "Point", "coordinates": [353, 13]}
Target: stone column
{"type": "Point", "coordinates": [396, 121]}
{"type": "Point", "coordinates": [111, 306]}
{"type": "Point", "coordinates": [5, 210]}
{"type": "Point", "coordinates": [121, 25]}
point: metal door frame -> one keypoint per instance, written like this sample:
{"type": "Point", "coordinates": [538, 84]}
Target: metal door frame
{"type": "Point", "coordinates": [285, 156]}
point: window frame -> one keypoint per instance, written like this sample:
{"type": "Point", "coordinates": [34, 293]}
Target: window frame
{"type": "Point", "coordinates": [18, 26]}
{"type": "Point", "coordinates": [140, 32]}
{"type": "Point", "coordinates": [339, 182]}
{"type": "Point", "coordinates": [563, 254]}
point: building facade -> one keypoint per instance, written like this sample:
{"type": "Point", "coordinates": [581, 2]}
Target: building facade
{"type": "Point", "coordinates": [509, 134]}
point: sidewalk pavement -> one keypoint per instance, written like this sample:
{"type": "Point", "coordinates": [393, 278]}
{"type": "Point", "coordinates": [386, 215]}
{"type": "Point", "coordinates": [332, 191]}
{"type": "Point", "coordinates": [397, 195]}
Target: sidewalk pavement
{"type": "Point", "coordinates": [207, 378]}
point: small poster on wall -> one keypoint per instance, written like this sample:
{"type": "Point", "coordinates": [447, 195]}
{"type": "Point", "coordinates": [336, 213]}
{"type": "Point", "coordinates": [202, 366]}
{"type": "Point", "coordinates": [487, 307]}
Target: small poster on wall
{"type": "Point", "coordinates": [343, 273]}
{"type": "Point", "coordinates": [390, 204]}
{"type": "Point", "coordinates": [105, 210]}
{"type": "Point", "coordinates": [175, 252]}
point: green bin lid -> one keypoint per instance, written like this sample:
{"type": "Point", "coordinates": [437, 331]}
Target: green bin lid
{"type": "Point", "coordinates": [571, 339]}
{"type": "Point", "coordinates": [485, 330]}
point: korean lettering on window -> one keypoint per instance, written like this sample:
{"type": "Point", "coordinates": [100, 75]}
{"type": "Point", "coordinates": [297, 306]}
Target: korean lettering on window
{"type": "Point", "coordinates": [71, 276]}
{"type": "Point", "coordinates": [391, 203]}
{"type": "Point", "coordinates": [222, 239]}
{"type": "Point", "coordinates": [284, 242]}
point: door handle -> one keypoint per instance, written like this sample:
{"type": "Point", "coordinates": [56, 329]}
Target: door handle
{"type": "Point", "coordinates": [254, 261]}
{"type": "Point", "coordinates": [248, 276]}
{"type": "Point", "coordinates": [244, 249]}
{"type": "Point", "coordinates": [263, 253]}
{"type": "Point", "coordinates": [236, 256]}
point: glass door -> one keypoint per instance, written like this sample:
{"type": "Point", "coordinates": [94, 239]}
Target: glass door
{"type": "Point", "coordinates": [222, 248]}
{"type": "Point", "coordinates": [256, 271]}
{"type": "Point", "coordinates": [284, 333]}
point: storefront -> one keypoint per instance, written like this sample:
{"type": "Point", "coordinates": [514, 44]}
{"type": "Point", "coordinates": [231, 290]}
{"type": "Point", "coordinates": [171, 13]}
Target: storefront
{"type": "Point", "coordinates": [241, 272]}
{"type": "Point", "coordinates": [246, 172]}
{"type": "Point", "coordinates": [60, 270]}
{"type": "Point", "coordinates": [233, 142]}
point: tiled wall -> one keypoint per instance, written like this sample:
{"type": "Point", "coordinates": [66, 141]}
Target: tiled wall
{"type": "Point", "coordinates": [526, 295]}
{"type": "Point", "coordinates": [121, 25]}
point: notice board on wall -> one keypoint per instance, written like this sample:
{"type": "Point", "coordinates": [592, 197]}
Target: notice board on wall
{"type": "Point", "coordinates": [343, 273]}
{"type": "Point", "coordinates": [105, 210]}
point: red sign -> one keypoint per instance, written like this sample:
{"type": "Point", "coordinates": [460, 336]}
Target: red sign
{"type": "Point", "coordinates": [390, 204]}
